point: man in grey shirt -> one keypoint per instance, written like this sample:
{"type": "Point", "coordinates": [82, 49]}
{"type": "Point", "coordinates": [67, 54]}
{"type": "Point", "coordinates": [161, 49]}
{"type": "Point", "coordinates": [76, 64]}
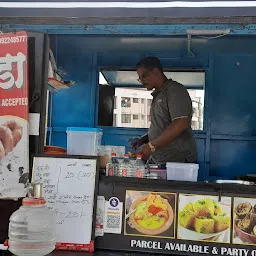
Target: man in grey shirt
{"type": "Point", "coordinates": [169, 138]}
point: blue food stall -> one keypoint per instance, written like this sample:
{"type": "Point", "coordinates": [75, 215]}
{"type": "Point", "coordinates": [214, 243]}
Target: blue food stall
{"type": "Point", "coordinates": [210, 48]}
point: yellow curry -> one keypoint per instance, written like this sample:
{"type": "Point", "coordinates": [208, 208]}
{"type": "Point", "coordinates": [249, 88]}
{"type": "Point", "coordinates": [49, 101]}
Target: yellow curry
{"type": "Point", "coordinates": [152, 213]}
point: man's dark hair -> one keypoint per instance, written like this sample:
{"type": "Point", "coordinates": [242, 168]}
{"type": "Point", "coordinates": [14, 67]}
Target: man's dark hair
{"type": "Point", "coordinates": [150, 63]}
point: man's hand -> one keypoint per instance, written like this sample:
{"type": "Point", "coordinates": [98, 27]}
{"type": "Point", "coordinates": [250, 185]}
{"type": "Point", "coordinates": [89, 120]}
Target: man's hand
{"type": "Point", "coordinates": [137, 142]}
{"type": "Point", "coordinates": [145, 152]}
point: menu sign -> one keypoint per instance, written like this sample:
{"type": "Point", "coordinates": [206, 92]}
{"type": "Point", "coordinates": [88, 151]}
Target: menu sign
{"type": "Point", "coordinates": [182, 223]}
{"type": "Point", "coordinates": [202, 223]}
{"type": "Point", "coordinates": [14, 157]}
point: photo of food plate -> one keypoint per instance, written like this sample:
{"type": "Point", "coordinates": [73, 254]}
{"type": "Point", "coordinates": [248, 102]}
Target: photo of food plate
{"type": "Point", "coordinates": [244, 212]}
{"type": "Point", "coordinates": [150, 214]}
{"type": "Point", "coordinates": [14, 156]}
{"type": "Point", "coordinates": [204, 218]}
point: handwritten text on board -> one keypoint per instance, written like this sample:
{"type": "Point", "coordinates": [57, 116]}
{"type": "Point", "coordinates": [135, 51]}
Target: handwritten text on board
{"type": "Point", "coordinates": [68, 186]}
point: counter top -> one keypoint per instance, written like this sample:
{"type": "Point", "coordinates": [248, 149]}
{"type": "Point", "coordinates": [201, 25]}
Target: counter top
{"type": "Point", "coordinates": [97, 253]}
{"type": "Point", "coordinates": [173, 185]}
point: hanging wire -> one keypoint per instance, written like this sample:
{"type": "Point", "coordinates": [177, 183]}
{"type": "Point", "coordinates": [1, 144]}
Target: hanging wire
{"type": "Point", "coordinates": [202, 37]}
{"type": "Point", "coordinates": [213, 37]}
{"type": "Point", "coordinates": [189, 45]}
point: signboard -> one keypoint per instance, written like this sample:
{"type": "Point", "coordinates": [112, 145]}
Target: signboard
{"type": "Point", "coordinates": [14, 134]}
{"type": "Point", "coordinates": [70, 190]}
{"type": "Point", "coordinates": [159, 221]}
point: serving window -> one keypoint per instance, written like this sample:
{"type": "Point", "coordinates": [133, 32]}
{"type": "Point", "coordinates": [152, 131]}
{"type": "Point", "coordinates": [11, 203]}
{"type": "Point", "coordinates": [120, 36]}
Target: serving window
{"type": "Point", "coordinates": [123, 102]}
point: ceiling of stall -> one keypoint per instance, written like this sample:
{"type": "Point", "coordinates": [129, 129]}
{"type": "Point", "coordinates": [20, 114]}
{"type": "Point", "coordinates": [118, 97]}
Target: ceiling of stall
{"type": "Point", "coordinates": [124, 78]}
{"type": "Point", "coordinates": [172, 44]}
{"type": "Point", "coordinates": [126, 9]}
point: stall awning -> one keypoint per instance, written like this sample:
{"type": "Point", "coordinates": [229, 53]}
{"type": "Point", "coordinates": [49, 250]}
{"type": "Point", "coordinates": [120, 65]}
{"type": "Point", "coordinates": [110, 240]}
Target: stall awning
{"type": "Point", "coordinates": [121, 8]}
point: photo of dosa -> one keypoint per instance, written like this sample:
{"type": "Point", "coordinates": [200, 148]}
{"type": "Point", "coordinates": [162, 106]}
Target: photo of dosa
{"type": "Point", "coordinates": [150, 213]}
{"type": "Point", "coordinates": [204, 218]}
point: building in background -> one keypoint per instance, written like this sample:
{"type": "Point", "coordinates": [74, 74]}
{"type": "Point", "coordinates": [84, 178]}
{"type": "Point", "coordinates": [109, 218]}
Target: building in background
{"type": "Point", "coordinates": [132, 108]}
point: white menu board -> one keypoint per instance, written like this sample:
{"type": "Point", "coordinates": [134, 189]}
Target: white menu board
{"type": "Point", "coordinates": [69, 190]}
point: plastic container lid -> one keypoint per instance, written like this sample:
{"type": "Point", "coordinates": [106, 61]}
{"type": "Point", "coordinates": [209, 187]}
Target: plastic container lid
{"type": "Point", "coordinates": [126, 155]}
{"type": "Point", "coordinates": [180, 165]}
{"type": "Point", "coordinates": [113, 154]}
{"type": "Point", "coordinates": [139, 156]}
{"type": "Point", "coordinates": [33, 201]}
{"type": "Point", "coordinates": [83, 129]}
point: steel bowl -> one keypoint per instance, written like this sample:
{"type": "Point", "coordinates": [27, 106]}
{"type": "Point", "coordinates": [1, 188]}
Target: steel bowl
{"type": "Point", "coordinates": [235, 182]}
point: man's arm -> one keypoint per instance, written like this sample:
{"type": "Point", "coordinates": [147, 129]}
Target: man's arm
{"type": "Point", "coordinates": [177, 127]}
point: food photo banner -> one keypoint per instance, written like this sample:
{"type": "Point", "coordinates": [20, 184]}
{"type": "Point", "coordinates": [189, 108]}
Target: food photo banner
{"type": "Point", "coordinates": [14, 133]}
{"type": "Point", "coordinates": [162, 222]}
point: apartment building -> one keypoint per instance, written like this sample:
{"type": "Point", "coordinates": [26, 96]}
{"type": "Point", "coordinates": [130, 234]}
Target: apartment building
{"type": "Point", "coordinates": [132, 108]}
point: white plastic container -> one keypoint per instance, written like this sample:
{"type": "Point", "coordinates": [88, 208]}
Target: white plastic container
{"type": "Point", "coordinates": [83, 141]}
{"type": "Point", "coordinates": [31, 229]}
{"type": "Point", "coordinates": [182, 171]}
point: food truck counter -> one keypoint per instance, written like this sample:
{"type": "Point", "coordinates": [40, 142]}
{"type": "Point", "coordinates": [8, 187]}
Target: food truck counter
{"type": "Point", "coordinates": [224, 186]}
{"type": "Point", "coordinates": [160, 216]}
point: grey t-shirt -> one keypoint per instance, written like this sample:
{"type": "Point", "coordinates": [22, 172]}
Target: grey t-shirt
{"type": "Point", "coordinates": [170, 103]}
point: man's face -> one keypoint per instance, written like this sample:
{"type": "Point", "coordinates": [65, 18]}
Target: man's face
{"type": "Point", "coordinates": [147, 77]}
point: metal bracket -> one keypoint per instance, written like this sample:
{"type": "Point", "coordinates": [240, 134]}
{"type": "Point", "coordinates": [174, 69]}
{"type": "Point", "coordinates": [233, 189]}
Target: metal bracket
{"type": "Point", "coordinates": [219, 195]}
{"type": "Point", "coordinates": [35, 97]}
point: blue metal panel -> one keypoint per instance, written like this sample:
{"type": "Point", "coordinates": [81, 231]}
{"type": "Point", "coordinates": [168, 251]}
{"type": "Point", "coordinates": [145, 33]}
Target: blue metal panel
{"type": "Point", "coordinates": [171, 50]}
{"type": "Point", "coordinates": [74, 106]}
{"type": "Point", "coordinates": [234, 110]}
{"type": "Point", "coordinates": [228, 142]}
{"type": "Point", "coordinates": [59, 139]}
{"type": "Point", "coordinates": [118, 58]}
{"type": "Point", "coordinates": [207, 116]}
{"type": "Point", "coordinates": [232, 158]}
{"type": "Point", "coordinates": [126, 59]}
{"type": "Point", "coordinates": [130, 78]}
{"type": "Point", "coordinates": [141, 30]}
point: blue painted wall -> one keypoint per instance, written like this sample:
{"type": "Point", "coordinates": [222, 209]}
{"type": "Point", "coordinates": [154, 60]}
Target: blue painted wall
{"type": "Point", "coordinates": [227, 146]}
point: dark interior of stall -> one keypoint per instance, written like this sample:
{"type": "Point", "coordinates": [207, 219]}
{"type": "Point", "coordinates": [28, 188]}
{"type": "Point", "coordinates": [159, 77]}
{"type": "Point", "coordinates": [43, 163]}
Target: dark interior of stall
{"type": "Point", "coordinates": [226, 142]}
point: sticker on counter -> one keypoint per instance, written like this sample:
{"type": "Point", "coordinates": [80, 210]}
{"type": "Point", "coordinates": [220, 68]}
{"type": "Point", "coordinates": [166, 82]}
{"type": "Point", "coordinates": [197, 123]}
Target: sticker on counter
{"type": "Point", "coordinates": [113, 216]}
{"type": "Point", "coordinates": [150, 214]}
{"type": "Point", "coordinates": [34, 124]}
{"type": "Point", "coordinates": [99, 227]}
{"type": "Point", "coordinates": [244, 226]}
{"type": "Point", "coordinates": [204, 218]}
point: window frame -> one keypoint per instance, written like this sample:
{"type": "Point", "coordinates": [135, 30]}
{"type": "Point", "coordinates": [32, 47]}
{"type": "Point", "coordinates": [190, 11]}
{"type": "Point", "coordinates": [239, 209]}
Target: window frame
{"type": "Point", "coordinates": [206, 72]}
{"type": "Point", "coordinates": [125, 117]}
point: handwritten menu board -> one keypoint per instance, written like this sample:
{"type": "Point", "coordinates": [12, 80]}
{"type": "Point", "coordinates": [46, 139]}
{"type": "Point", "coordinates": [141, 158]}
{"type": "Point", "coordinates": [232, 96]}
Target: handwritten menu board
{"type": "Point", "coordinates": [69, 189]}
